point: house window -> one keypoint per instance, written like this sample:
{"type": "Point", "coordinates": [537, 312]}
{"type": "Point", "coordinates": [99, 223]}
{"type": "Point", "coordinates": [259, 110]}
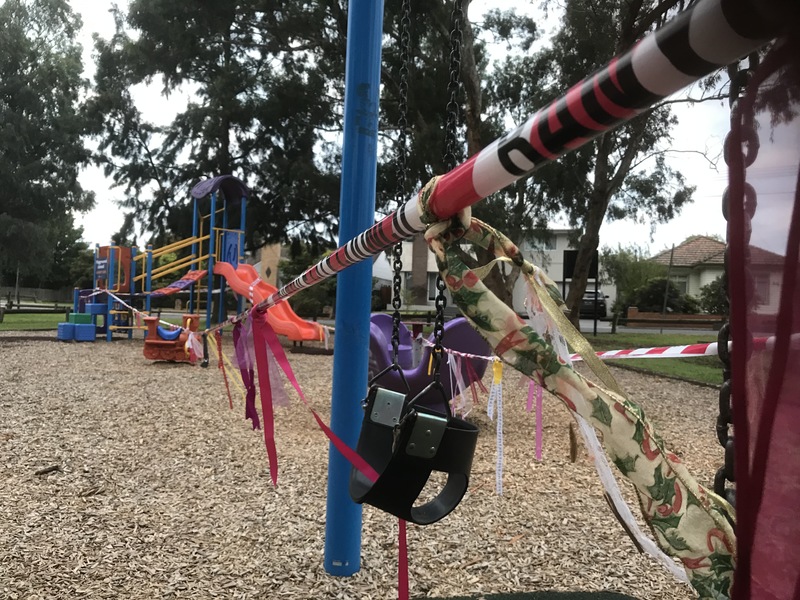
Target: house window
{"type": "Point", "coordinates": [680, 283]}
{"type": "Point", "coordinates": [547, 242]}
{"type": "Point", "coordinates": [432, 291]}
{"type": "Point", "coordinates": [762, 288]}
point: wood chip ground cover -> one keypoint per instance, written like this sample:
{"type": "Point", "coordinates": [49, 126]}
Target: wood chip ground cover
{"type": "Point", "coordinates": [151, 487]}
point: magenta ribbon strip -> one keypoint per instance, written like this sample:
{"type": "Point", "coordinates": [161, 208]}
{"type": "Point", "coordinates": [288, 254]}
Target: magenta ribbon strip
{"type": "Point", "coordinates": [402, 561]}
{"type": "Point", "coordinates": [260, 327]}
{"type": "Point", "coordinates": [246, 370]}
{"type": "Point", "coordinates": [277, 351]}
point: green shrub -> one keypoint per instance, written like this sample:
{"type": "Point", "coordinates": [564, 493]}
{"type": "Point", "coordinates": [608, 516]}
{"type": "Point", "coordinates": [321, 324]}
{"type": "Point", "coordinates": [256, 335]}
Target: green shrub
{"type": "Point", "coordinates": [714, 297]}
{"type": "Point", "coordinates": [650, 298]}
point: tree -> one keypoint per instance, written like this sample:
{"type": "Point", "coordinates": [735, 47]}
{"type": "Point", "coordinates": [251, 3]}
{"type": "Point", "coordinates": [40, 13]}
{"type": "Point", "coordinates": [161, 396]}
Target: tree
{"type": "Point", "coordinates": [265, 79]}
{"type": "Point", "coordinates": [428, 81]}
{"type": "Point", "coordinates": [629, 269]}
{"type": "Point", "coordinates": [311, 302]}
{"type": "Point", "coordinates": [41, 145]}
{"type": "Point", "coordinates": [73, 260]}
{"type": "Point", "coordinates": [621, 174]}
{"type": "Point", "coordinates": [714, 297]}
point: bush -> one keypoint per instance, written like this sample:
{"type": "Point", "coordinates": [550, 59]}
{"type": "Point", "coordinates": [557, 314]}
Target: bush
{"type": "Point", "coordinates": [714, 297]}
{"type": "Point", "coordinates": [650, 298]}
{"type": "Point", "coordinates": [629, 269]}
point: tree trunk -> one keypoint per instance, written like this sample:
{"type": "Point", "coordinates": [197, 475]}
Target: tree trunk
{"type": "Point", "coordinates": [587, 246]}
{"type": "Point", "coordinates": [419, 271]}
{"type": "Point", "coordinates": [590, 239]}
{"type": "Point", "coordinates": [472, 86]}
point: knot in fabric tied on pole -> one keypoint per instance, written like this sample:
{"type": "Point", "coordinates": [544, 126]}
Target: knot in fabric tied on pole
{"type": "Point", "coordinates": [405, 443]}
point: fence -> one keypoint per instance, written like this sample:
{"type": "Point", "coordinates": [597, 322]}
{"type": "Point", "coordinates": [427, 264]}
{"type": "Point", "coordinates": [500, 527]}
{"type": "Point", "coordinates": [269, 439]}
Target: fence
{"type": "Point", "coordinates": [33, 295]}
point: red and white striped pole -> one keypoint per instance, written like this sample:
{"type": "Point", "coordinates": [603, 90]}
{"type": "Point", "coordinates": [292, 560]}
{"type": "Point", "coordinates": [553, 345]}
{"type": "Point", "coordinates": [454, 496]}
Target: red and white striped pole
{"type": "Point", "coordinates": [702, 39]}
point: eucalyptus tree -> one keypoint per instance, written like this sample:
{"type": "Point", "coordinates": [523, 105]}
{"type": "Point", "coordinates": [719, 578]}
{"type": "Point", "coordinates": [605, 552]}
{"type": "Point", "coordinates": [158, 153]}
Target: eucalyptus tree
{"type": "Point", "coordinates": [622, 174]}
{"type": "Point", "coordinates": [41, 144]}
{"type": "Point", "coordinates": [248, 88]}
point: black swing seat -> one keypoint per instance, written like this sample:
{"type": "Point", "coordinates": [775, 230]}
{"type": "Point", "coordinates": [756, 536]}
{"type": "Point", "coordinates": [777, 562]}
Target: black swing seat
{"type": "Point", "coordinates": [404, 443]}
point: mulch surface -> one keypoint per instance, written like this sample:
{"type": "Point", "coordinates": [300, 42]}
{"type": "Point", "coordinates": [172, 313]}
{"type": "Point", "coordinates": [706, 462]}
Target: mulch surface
{"type": "Point", "coordinates": [149, 486]}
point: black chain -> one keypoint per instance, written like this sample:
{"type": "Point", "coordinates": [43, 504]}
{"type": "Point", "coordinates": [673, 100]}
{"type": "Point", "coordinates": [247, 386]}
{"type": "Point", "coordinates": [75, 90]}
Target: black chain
{"type": "Point", "coordinates": [402, 170]}
{"type": "Point", "coordinates": [739, 77]}
{"type": "Point", "coordinates": [397, 266]}
{"type": "Point", "coordinates": [438, 326]}
{"type": "Point", "coordinates": [453, 87]}
{"type": "Point", "coordinates": [450, 162]}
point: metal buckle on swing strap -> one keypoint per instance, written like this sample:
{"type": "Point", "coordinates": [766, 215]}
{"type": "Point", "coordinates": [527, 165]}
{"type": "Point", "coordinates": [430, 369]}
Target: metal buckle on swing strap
{"type": "Point", "coordinates": [426, 435]}
{"type": "Point", "coordinates": [385, 406]}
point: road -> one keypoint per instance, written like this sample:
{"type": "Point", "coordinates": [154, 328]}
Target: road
{"type": "Point", "coordinates": [587, 328]}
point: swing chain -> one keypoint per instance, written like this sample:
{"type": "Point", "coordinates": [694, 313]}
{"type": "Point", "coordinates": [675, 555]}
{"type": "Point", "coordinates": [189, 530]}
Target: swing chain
{"type": "Point", "coordinates": [453, 86]}
{"type": "Point", "coordinates": [450, 162]}
{"type": "Point", "coordinates": [397, 265]}
{"type": "Point", "coordinates": [402, 120]}
{"type": "Point", "coordinates": [402, 170]}
{"type": "Point", "coordinates": [438, 326]}
{"type": "Point", "coordinates": [739, 76]}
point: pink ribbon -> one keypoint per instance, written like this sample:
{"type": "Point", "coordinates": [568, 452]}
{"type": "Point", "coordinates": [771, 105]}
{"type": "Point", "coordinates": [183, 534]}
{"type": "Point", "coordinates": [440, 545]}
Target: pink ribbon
{"type": "Point", "coordinates": [402, 561]}
{"type": "Point", "coordinates": [260, 329]}
{"type": "Point", "coordinates": [277, 351]}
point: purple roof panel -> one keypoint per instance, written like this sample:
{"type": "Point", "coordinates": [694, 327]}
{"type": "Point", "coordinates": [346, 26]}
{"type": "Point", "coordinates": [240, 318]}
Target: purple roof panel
{"type": "Point", "coordinates": [233, 188]}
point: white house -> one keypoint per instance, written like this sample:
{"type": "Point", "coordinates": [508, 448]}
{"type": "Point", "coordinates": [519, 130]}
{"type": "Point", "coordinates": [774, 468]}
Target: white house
{"type": "Point", "coordinates": [419, 268]}
{"type": "Point", "coordinates": [699, 260]}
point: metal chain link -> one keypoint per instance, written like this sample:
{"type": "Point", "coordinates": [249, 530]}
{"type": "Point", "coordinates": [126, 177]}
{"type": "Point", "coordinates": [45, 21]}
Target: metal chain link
{"type": "Point", "coordinates": [739, 77]}
{"type": "Point", "coordinates": [453, 87]}
{"type": "Point", "coordinates": [450, 162]}
{"type": "Point", "coordinates": [438, 326]}
{"type": "Point", "coordinates": [402, 170]}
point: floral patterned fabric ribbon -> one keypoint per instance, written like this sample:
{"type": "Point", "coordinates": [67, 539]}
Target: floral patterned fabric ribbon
{"type": "Point", "coordinates": [688, 521]}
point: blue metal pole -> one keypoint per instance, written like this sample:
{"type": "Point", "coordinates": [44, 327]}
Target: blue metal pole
{"type": "Point", "coordinates": [357, 213]}
{"type": "Point", "coordinates": [112, 276]}
{"type": "Point", "coordinates": [148, 281]}
{"type": "Point", "coordinates": [132, 323]}
{"type": "Point", "coordinates": [211, 250]}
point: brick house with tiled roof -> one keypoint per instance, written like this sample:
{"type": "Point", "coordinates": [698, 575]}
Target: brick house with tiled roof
{"type": "Point", "coordinates": [699, 260]}
{"type": "Point", "coordinates": [696, 262]}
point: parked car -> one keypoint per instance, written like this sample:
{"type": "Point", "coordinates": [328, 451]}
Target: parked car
{"type": "Point", "coordinates": [592, 301]}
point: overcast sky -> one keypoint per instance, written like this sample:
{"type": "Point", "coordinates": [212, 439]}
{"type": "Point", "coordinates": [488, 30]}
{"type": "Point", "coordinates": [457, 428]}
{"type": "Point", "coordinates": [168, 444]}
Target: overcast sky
{"type": "Point", "coordinates": [701, 128]}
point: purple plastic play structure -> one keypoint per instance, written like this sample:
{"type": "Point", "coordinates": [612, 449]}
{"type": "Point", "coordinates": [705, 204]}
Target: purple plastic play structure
{"type": "Point", "coordinates": [458, 335]}
{"type": "Point", "coordinates": [405, 354]}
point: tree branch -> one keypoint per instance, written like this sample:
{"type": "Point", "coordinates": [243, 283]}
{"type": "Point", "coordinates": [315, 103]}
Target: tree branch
{"type": "Point", "coordinates": [720, 96]}
{"type": "Point", "coordinates": [713, 163]}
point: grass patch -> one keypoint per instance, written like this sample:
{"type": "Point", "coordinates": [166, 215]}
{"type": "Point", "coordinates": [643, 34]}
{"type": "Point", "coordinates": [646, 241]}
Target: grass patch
{"type": "Point", "coordinates": [29, 322]}
{"type": "Point", "coordinates": [706, 369]}
{"type": "Point", "coordinates": [50, 321]}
